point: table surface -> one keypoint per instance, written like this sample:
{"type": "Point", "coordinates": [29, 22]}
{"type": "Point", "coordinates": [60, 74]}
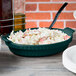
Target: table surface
{"type": "Point", "coordinates": [12, 65]}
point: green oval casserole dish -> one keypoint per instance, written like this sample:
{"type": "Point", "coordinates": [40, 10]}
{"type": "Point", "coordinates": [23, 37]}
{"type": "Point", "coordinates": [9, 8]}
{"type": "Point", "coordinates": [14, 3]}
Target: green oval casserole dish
{"type": "Point", "coordinates": [39, 50]}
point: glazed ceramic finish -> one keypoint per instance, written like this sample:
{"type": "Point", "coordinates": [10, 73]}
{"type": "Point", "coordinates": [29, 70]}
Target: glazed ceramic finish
{"type": "Point", "coordinates": [69, 58]}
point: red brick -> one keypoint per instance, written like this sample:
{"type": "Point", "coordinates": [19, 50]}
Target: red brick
{"type": "Point", "coordinates": [31, 25]}
{"type": "Point", "coordinates": [37, 0]}
{"type": "Point", "coordinates": [71, 6]}
{"type": "Point", "coordinates": [64, 0]}
{"type": "Point", "coordinates": [71, 24]}
{"type": "Point", "coordinates": [31, 7]}
{"type": "Point", "coordinates": [56, 25]}
{"type": "Point", "coordinates": [37, 16]}
{"type": "Point", "coordinates": [47, 7]}
{"type": "Point", "coordinates": [64, 15]}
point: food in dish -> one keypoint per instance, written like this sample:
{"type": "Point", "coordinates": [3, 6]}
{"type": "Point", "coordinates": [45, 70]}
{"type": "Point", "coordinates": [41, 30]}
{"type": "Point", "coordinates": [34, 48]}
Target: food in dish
{"type": "Point", "coordinates": [39, 36]}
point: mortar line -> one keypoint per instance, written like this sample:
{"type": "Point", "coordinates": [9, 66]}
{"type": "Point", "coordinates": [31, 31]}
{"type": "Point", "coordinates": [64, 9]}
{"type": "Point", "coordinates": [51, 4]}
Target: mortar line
{"type": "Point", "coordinates": [37, 23]}
{"type": "Point", "coordinates": [64, 24]}
{"type": "Point", "coordinates": [49, 11]}
{"type": "Point", "coordinates": [37, 7]}
{"type": "Point", "coordinates": [48, 20]}
{"type": "Point", "coordinates": [48, 2]}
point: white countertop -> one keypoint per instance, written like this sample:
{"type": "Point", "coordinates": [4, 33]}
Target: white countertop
{"type": "Point", "coordinates": [12, 65]}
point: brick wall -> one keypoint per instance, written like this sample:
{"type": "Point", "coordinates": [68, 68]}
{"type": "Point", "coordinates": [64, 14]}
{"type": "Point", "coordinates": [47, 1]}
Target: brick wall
{"type": "Point", "coordinates": [40, 13]}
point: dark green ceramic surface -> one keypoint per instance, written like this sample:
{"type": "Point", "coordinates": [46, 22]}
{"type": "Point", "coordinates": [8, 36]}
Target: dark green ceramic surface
{"type": "Point", "coordinates": [39, 50]}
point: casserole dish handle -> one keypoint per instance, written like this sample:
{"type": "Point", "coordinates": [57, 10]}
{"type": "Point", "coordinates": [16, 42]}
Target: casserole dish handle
{"type": "Point", "coordinates": [4, 38]}
{"type": "Point", "coordinates": [69, 31]}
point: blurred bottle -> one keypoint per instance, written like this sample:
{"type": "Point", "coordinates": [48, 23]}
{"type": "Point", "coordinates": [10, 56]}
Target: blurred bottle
{"type": "Point", "coordinates": [19, 21]}
{"type": "Point", "coordinates": [6, 16]}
